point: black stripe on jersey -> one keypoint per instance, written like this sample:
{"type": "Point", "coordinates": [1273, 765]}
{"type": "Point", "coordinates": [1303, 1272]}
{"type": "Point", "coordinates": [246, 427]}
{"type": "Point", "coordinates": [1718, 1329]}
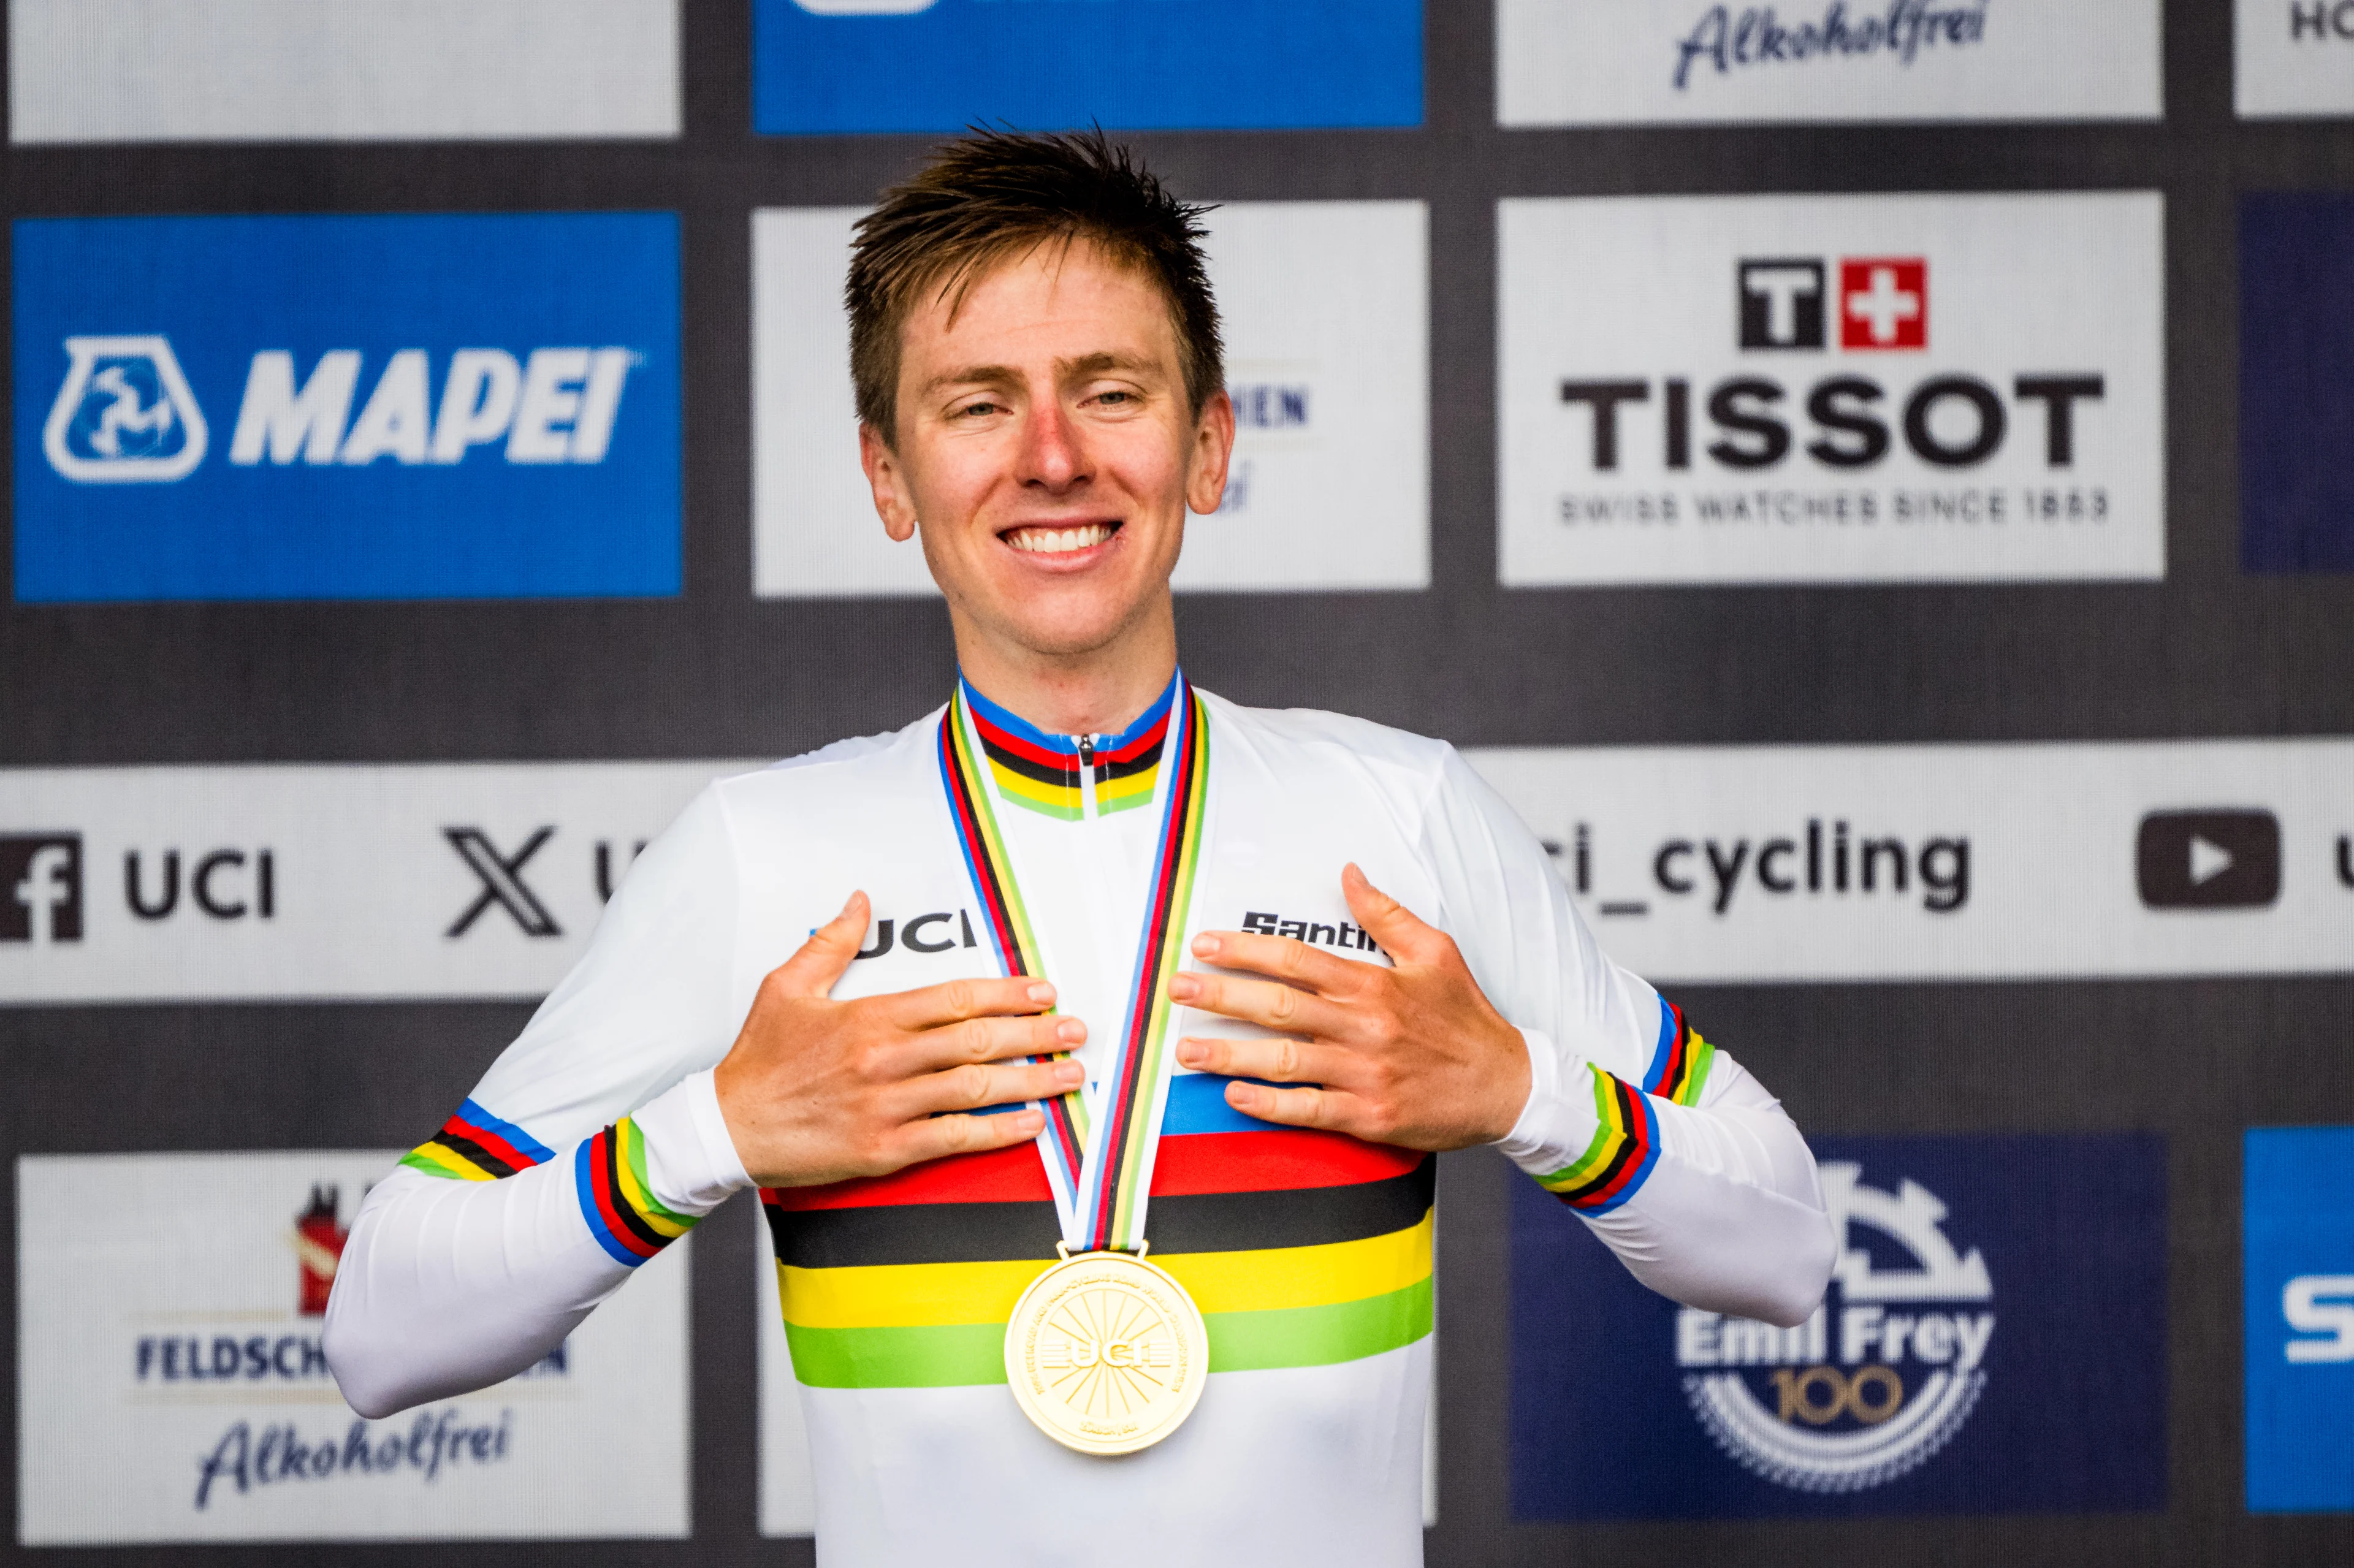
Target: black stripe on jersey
{"type": "Point", "coordinates": [990, 1232]}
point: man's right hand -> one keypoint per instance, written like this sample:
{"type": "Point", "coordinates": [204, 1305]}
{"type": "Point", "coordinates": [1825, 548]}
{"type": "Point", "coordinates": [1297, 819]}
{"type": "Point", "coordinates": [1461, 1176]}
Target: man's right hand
{"type": "Point", "coordinates": [816, 1090]}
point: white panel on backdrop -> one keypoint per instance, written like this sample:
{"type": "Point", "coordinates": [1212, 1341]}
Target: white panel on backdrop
{"type": "Point", "coordinates": [2295, 57]}
{"type": "Point", "coordinates": [1326, 319]}
{"type": "Point", "coordinates": [1606, 62]}
{"type": "Point", "coordinates": [1740, 864]}
{"type": "Point", "coordinates": [170, 1385]}
{"type": "Point", "coordinates": [1785, 388]}
{"type": "Point", "coordinates": [244, 70]}
{"type": "Point", "coordinates": [468, 880]}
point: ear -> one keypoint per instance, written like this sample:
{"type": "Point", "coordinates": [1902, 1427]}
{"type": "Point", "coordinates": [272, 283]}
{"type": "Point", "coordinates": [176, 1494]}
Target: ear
{"type": "Point", "coordinates": [1213, 446]}
{"type": "Point", "coordinates": [893, 501]}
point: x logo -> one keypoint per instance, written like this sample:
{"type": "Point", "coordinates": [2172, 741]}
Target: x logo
{"type": "Point", "coordinates": [503, 882]}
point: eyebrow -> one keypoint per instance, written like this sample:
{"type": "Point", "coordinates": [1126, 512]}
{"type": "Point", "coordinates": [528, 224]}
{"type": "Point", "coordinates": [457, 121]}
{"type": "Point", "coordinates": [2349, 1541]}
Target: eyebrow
{"type": "Point", "coordinates": [1004, 375]}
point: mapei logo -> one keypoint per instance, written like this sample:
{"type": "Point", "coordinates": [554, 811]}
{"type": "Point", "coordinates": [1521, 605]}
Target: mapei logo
{"type": "Point", "coordinates": [40, 888]}
{"type": "Point", "coordinates": [124, 414]}
{"type": "Point", "coordinates": [1882, 1375]}
{"type": "Point", "coordinates": [125, 411]}
{"type": "Point", "coordinates": [1850, 419]}
{"type": "Point", "coordinates": [1882, 303]}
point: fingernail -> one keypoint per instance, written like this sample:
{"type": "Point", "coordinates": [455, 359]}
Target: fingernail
{"type": "Point", "coordinates": [1071, 1031]}
{"type": "Point", "coordinates": [1239, 1095]}
{"type": "Point", "coordinates": [1042, 992]}
{"type": "Point", "coordinates": [1206, 946]}
{"type": "Point", "coordinates": [1189, 1051]}
{"type": "Point", "coordinates": [1185, 988]}
{"type": "Point", "coordinates": [1069, 1074]}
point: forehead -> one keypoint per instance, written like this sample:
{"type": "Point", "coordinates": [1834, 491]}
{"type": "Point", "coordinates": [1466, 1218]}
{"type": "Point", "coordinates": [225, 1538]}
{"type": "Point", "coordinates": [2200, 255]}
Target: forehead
{"type": "Point", "coordinates": [1052, 298]}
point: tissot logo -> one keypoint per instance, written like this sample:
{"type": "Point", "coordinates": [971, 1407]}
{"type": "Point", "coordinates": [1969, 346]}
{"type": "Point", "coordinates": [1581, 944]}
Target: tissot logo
{"type": "Point", "coordinates": [2207, 859]}
{"type": "Point", "coordinates": [1782, 304]}
{"type": "Point", "coordinates": [40, 888]}
{"type": "Point", "coordinates": [1794, 426]}
{"type": "Point", "coordinates": [1884, 302]}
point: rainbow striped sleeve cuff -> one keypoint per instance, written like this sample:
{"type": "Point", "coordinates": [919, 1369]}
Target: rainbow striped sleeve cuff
{"type": "Point", "coordinates": [475, 1146]}
{"type": "Point", "coordinates": [1680, 1064]}
{"type": "Point", "coordinates": [628, 1220]}
{"type": "Point", "coordinates": [1618, 1160]}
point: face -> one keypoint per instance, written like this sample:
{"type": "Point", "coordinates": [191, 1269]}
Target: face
{"type": "Point", "coordinates": [1045, 453]}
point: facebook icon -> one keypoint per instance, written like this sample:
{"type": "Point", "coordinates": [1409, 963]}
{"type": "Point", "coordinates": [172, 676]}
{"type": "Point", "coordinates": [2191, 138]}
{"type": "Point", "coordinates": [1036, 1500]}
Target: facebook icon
{"type": "Point", "coordinates": [41, 876]}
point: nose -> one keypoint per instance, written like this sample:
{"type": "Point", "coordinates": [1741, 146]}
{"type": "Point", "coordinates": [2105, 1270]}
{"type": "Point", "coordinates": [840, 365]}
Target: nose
{"type": "Point", "coordinates": [1052, 457]}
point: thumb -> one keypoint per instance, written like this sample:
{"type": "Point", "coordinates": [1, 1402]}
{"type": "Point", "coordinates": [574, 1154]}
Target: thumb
{"type": "Point", "coordinates": [1392, 924]}
{"type": "Point", "coordinates": [822, 960]}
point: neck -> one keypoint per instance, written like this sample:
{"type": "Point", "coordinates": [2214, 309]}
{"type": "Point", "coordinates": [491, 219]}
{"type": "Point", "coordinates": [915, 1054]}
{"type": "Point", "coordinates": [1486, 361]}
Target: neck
{"type": "Point", "coordinates": [1098, 692]}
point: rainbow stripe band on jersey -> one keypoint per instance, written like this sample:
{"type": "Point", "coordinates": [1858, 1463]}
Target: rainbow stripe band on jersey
{"type": "Point", "coordinates": [1302, 1248]}
{"type": "Point", "coordinates": [1044, 772]}
{"type": "Point", "coordinates": [1098, 1171]}
{"type": "Point", "coordinates": [475, 1146]}
{"type": "Point", "coordinates": [628, 1222]}
{"type": "Point", "coordinates": [1618, 1161]}
{"type": "Point", "coordinates": [1679, 1066]}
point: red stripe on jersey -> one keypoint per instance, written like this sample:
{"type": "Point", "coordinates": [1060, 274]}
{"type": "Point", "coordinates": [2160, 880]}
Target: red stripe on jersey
{"type": "Point", "coordinates": [1206, 1162]}
{"type": "Point", "coordinates": [1013, 1175]}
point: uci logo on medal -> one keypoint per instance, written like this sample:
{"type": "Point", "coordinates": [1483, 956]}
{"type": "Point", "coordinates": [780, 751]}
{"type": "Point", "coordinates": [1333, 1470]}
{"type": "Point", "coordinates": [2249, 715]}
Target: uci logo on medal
{"type": "Point", "coordinates": [124, 414]}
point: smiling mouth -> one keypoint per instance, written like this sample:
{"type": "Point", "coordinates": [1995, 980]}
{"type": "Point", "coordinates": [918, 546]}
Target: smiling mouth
{"type": "Point", "coordinates": [1037, 541]}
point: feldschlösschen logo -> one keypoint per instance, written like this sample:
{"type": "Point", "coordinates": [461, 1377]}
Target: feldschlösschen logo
{"type": "Point", "coordinates": [124, 413]}
{"type": "Point", "coordinates": [1992, 1339]}
{"type": "Point", "coordinates": [1879, 1379]}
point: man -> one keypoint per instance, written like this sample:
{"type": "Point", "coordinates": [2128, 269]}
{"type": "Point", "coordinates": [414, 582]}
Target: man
{"type": "Point", "coordinates": [994, 1050]}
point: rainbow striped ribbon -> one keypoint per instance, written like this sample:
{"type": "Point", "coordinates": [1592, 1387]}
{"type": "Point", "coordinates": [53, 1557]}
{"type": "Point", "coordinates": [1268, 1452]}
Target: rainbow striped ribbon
{"type": "Point", "coordinates": [1101, 1167]}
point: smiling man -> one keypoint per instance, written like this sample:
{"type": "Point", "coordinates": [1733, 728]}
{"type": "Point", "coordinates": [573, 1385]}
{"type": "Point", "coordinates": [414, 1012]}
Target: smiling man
{"type": "Point", "coordinates": [1096, 1130]}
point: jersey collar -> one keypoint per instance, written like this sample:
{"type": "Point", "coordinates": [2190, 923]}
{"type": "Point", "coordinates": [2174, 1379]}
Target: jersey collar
{"type": "Point", "coordinates": [1047, 773]}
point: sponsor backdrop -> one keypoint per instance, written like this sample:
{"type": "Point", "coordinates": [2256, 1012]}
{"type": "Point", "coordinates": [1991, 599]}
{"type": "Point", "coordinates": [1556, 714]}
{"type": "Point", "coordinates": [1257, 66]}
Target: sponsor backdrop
{"type": "Point", "coordinates": [1868, 480]}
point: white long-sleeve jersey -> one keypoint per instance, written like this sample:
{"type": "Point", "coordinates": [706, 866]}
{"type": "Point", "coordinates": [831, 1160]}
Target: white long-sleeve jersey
{"type": "Point", "coordinates": [597, 1138]}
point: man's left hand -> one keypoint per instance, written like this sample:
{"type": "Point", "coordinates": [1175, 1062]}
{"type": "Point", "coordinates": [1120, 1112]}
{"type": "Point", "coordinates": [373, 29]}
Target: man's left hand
{"type": "Point", "coordinates": [1413, 1056]}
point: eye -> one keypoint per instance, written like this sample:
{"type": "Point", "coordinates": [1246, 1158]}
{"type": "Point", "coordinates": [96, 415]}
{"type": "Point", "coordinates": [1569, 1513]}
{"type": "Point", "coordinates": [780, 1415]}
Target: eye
{"type": "Point", "coordinates": [1115, 396]}
{"type": "Point", "coordinates": [976, 408]}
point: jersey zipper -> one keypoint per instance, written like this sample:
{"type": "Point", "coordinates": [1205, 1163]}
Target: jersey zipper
{"type": "Point", "coordinates": [1087, 775]}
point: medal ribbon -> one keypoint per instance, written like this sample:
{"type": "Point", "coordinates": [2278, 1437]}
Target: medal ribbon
{"type": "Point", "coordinates": [1099, 1168]}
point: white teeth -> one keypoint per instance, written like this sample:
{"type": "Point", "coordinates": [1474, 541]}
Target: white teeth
{"type": "Point", "coordinates": [1059, 541]}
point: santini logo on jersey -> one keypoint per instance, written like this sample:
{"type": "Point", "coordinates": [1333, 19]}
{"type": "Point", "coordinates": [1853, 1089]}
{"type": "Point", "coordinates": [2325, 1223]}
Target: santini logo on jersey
{"type": "Point", "coordinates": [1343, 935]}
{"type": "Point", "coordinates": [126, 413]}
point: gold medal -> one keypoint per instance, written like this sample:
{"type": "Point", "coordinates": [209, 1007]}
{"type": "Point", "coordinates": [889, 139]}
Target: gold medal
{"type": "Point", "coordinates": [1106, 1352]}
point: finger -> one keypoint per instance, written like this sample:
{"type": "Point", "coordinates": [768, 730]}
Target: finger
{"type": "Point", "coordinates": [819, 963]}
{"type": "Point", "coordinates": [976, 1086]}
{"type": "Point", "coordinates": [1332, 1110]}
{"type": "Point", "coordinates": [987, 1040]}
{"type": "Point", "coordinates": [954, 1001]}
{"type": "Point", "coordinates": [1282, 957]}
{"type": "Point", "coordinates": [1392, 924]}
{"type": "Point", "coordinates": [1267, 1003]}
{"type": "Point", "coordinates": [1284, 1061]}
{"type": "Point", "coordinates": [937, 1136]}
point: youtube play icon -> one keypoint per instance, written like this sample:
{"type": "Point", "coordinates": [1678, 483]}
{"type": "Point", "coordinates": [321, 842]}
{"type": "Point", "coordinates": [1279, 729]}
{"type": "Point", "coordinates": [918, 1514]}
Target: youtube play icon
{"type": "Point", "coordinates": [2207, 859]}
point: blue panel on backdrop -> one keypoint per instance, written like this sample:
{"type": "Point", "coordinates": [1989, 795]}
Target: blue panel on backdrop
{"type": "Point", "coordinates": [842, 66]}
{"type": "Point", "coordinates": [2297, 382]}
{"type": "Point", "coordinates": [347, 408]}
{"type": "Point", "coordinates": [2297, 1276]}
{"type": "Point", "coordinates": [1994, 1342]}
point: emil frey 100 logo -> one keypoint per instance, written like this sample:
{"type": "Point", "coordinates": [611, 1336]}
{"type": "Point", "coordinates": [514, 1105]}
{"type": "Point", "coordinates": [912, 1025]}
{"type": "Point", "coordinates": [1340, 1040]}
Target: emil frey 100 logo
{"type": "Point", "coordinates": [125, 413]}
{"type": "Point", "coordinates": [1882, 1375]}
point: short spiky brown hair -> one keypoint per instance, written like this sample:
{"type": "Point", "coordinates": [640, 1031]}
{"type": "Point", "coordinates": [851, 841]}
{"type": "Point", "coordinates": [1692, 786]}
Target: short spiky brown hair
{"type": "Point", "coordinates": [993, 195]}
